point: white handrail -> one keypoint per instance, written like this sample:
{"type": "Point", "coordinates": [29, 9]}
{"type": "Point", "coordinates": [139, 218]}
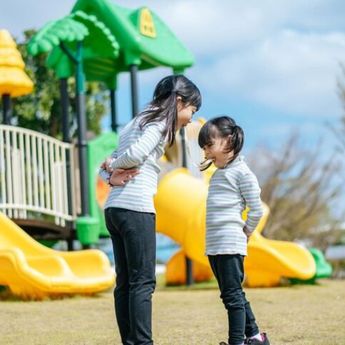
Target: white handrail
{"type": "Point", "coordinates": [33, 175]}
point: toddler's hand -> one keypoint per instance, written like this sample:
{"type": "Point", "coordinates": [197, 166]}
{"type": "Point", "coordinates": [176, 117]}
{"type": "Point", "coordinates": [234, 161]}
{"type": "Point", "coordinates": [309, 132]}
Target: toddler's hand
{"type": "Point", "coordinates": [247, 232]}
{"type": "Point", "coordinates": [120, 177]}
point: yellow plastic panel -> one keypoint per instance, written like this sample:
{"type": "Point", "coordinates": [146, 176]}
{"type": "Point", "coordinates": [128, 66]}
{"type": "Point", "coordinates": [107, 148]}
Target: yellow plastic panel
{"type": "Point", "coordinates": [32, 270]}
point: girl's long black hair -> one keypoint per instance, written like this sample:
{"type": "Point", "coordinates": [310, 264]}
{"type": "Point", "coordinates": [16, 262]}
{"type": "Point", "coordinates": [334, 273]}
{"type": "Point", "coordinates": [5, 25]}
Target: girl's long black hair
{"type": "Point", "coordinates": [221, 127]}
{"type": "Point", "coordinates": [163, 107]}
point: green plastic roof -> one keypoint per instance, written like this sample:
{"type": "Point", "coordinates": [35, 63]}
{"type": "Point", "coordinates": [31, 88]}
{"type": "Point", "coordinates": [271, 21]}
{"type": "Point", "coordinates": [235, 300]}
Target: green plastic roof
{"type": "Point", "coordinates": [163, 50]}
{"type": "Point", "coordinates": [113, 38]}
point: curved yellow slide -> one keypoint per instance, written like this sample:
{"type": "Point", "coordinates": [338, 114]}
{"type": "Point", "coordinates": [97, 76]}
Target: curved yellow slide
{"type": "Point", "coordinates": [32, 270]}
{"type": "Point", "coordinates": [181, 210]}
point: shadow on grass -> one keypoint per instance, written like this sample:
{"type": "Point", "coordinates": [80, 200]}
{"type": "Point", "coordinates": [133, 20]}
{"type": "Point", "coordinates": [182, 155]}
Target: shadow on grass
{"type": "Point", "coordinates": [213, 285]}
{"type": "Point", "coordinates": [7, 295]}
{"type": "Point", "coordinates": [161, 285]}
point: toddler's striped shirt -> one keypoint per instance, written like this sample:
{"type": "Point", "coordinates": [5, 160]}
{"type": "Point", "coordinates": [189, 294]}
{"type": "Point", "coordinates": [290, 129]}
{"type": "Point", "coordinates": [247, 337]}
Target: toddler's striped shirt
{"type": "Point", "coordinates": [231, 189]}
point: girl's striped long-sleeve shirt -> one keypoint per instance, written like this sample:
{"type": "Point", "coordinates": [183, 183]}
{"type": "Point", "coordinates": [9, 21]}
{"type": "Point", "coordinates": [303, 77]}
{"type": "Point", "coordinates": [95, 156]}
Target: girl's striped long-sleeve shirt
{"type": "Point", "coordinates": [139, 148]}
{"type": "Point", "coordinates": [231, 190]}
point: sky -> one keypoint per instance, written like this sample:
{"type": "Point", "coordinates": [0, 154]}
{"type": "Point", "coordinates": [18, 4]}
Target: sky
{"type": "Point", "coordinates": [272, 65]}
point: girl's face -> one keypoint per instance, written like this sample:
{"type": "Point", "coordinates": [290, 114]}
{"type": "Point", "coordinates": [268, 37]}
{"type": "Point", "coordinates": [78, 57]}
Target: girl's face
{"type": "Point", "coordinates": [216, 151]}
{"type": "Point", "coordinates": [184, 113]}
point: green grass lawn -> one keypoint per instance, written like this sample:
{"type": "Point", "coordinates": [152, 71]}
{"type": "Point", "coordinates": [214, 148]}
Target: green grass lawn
{"type": "Point", "coordinates": [302, 314]}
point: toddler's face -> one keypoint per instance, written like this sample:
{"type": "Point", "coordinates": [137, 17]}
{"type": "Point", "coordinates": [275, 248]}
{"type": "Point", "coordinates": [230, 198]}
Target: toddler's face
{"type": "Point", "coordinates": [216, 151]}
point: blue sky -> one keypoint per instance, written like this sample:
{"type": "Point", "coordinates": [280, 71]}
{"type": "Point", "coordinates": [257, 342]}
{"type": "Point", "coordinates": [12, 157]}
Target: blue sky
{"type": "Point", "coordinates": [272, 65]}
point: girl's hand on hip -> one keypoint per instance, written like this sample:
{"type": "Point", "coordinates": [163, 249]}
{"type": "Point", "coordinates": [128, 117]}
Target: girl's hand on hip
{"type": "Point", "coordinates": [120, 177]}
{"type": "Point", "coordinates": [106, 165]}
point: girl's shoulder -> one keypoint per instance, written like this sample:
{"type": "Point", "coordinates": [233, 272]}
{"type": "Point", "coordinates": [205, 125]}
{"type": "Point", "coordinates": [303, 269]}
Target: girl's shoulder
{"type": "Point", "coordinates": [238, 168]}
{"type": "Point", "coordinates": [136, 125]}
{"type": "Point", "coordinates": [127, 128]}
{"type": "Point", "coordinates": [246, 175]}
{"type": "Point", "coordinates": [160, 125]}
{"type": "Point", "coordinates": [237, 165]}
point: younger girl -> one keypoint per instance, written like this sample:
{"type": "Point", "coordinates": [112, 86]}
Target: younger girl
{"type": "Point", "coordinates": [129, 210]}
{"type": "Point", "coordinates": [233, 187]}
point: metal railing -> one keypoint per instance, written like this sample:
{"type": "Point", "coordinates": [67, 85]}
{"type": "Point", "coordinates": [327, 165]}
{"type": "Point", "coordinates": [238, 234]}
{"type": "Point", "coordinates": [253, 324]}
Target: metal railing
{"type": "Point", "coordinates": [34, 177]}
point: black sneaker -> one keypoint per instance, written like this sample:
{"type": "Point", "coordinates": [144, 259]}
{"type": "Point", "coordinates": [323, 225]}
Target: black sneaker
{"type": "Point", "coordinates": [264, 340]}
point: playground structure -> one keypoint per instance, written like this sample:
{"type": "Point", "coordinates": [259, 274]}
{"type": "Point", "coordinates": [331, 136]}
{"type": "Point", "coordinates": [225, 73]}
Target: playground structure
{"type": "Point", "coordinates": [32, 270]}
{"type": "Point", "coordinates": [34, 192]}
{"type": "Point", "coordinates": [50, 185]}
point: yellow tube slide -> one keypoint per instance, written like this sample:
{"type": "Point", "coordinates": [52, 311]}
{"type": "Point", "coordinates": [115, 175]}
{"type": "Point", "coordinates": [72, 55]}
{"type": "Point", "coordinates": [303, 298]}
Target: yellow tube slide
{"type": "Point", "coordinates": [181, 209]}
{"type": "Point", "coordinates": [34, 271]}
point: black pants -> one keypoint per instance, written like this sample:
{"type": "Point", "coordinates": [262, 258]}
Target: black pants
{"type": "Point", "coordinates": [134, 242]}
{"type": "Point", "coordinates": [228, 270]}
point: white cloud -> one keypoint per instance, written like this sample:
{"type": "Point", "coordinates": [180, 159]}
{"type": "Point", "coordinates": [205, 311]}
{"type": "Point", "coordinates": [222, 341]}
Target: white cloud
{"type": "Point", "coordinates": [283, 55]}
{"type": "Point", "coordinates": [288, 71]}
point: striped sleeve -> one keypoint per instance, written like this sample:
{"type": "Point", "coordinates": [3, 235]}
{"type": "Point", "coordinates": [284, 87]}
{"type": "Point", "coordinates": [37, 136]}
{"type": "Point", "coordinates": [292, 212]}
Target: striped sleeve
{"type": "Point", "coordinates": [103, 174]}
{"type": "Point", "coordinates": [250, 191]}
{"type": "Point", "coordinates": [138, 152]}
{"type": "Point", "coordinates": [114, 154]}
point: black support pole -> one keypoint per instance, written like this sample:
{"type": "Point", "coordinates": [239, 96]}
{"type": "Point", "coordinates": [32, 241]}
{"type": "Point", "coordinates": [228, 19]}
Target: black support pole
{"type": "Point", "coordinates": [189, 264]}
{"type": "Point", "coordinates": [66, 138]}
{"type": "Point", "coordinates": [82, 144]}
{"type": "Point", "coordinates": [64, 110]}
{"type": "Point", "coordinates": [6, 106]}
{"type": "Point", "coordinates": [183, 147]}
{"type": "Point", "coordinates": [82, 127]}
{"type": "Point", "coordinates": [113, 112]}
{"type": "Point", "coordinates": [134, 89]}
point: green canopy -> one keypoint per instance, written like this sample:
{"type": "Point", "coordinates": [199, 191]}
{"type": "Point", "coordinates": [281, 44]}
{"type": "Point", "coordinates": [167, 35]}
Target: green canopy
{"type": "Point", "coordinates": [113, 39]}
{"type": "Point", "coordinates": [145, 40]}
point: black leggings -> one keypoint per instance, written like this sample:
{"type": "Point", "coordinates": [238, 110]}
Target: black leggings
{"type": "Point", "coordinates": [228, 270]}
{"type": "Point", "coordinates": [134, 242]}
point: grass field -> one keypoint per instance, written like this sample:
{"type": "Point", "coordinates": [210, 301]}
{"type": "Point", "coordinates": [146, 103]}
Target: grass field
{"type": "Point", "coordinates": [290, 315]}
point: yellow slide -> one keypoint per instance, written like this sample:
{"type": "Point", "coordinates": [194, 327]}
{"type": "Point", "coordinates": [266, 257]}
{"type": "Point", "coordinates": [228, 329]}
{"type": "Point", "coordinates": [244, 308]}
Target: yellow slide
{"type": "Point", "coordinates": [180, 204]}
{"type": "Point", "coordinates": [32, 270]}
{"type": "Point", "coordinates": [269, 261]}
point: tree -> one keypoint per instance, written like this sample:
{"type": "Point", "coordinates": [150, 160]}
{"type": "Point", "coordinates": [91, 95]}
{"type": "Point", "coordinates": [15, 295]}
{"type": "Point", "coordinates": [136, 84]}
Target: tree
{"type": "Point", "coordinates": [41, 109]}
{"type": "Point", "coordinates": [300, 190]}
{"type": "Point", "coordinates": [340, 130]}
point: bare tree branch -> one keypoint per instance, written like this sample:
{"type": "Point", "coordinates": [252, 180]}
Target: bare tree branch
{"type": "Point", "coordinates": [300, 187]}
